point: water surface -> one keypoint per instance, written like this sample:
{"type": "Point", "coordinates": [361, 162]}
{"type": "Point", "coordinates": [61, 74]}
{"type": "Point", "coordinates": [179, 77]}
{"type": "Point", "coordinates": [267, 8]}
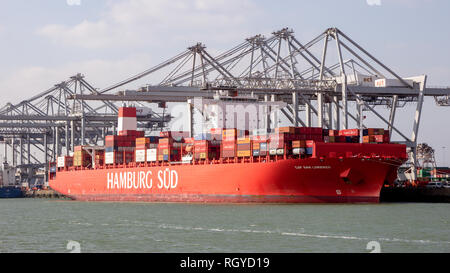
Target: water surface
{"type": "Point", "coordinates": [48, 225]}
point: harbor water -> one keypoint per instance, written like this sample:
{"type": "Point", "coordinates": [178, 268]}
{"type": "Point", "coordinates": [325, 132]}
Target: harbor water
{"type": "Point", "coordinates": [48, 225]}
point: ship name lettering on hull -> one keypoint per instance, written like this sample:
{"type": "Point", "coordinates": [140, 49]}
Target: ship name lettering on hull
{"type": "Point", "coordinates": [166, 179]}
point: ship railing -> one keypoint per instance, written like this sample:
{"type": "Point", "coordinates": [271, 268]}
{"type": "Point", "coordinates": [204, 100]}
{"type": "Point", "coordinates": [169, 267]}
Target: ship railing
{"type": "Point", "coordinates": [231, 160]}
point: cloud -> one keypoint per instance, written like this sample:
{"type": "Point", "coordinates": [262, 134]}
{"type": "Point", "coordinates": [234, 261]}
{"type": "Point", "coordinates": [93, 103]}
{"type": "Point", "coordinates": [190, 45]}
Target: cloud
{"type": "Point", "coordinates": [25, 82]}
{"type": "Point", "coordinates": [141, 22]}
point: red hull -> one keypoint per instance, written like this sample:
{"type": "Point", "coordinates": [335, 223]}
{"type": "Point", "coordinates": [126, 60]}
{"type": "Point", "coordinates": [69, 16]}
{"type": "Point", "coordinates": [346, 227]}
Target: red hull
{"type": "Point", "coordinates": [332, 180]}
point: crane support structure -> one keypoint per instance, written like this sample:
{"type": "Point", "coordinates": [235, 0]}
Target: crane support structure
{"type": "Point", "coordinates": [331, 90]}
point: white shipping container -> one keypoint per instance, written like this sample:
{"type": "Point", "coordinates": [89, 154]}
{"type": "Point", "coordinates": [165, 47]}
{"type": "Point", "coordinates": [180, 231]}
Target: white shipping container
{"type": "Point", "coordinates": [140, 156]}
{"type": "Point", "coordinates": [298, 151]}
{"type": "Point", "coordinates": [127, 123]}
{"type": "Point", "coordinates": [151, 155]}
{"type": "Point", "coordinates": [61, 162]}
{"type": "Point", "coordinates": [109, 158]}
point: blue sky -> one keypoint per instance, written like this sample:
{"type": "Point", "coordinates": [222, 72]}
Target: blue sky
{"type": "Point", "coordinates": [44, 42]}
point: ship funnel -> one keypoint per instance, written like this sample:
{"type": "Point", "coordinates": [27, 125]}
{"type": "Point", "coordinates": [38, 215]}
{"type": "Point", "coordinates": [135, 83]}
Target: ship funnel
{"type": "Point", "coordinates": [127, 120]}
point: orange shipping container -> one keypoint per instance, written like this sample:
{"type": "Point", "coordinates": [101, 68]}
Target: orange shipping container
{"type": "Point", "coordinates": [245, 140]}
{"type": "Point", "coordinates": [289, 130]}
{"type": "Point", "coordinates": [243, 153]}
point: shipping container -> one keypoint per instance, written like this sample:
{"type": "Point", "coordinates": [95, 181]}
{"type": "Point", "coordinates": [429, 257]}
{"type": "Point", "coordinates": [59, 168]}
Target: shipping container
{"type": "Point", "coordinates": [65, 161]}
{"type": "Point", "coordinates": [228, 148]}
{"type": "Point", "coordinates": [152, 155]}
{"type": "Point", "coordinates": [349, 132]}
{"type": "Point", "coordinates": [244, 153]}
{"type": "Point", "coordinates": [141, 156]}
{"type": "Point", "coordinates": [288, 130]}
{"type": "Point", "coordinates": [333, 132]}
{"type": "Point", "coordinates": [118, 157]}
{"type": "Point", "coordinates": [298, 151]}
{"type": "Point", "coordinates": [229, 134]}
{"type": "Point", "coordinates": [298, 144]}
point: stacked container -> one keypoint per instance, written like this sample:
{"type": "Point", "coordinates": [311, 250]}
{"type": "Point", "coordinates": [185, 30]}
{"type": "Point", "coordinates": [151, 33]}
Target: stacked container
{"type": "Point", "coordinates": [331, 136]}
{"type": "Point", "coordinates": [278, 142]}
{"type": "Point", "coordinates": [309, 147]}
{"type": "Point", "coordinates": [309, 133]}
{"type": "Point", "coordinates": [375, 135]}
{"type": "Point", "coordinates": [165, 148]}
{"type": "Point", "coordinates": [81, 158]}
{"type": "Point", "coordinates": [142, 144]}
{"type": "Point", "coordinates": [259, 145]}
{"type": "Point", "coordinates": [228, 146]}
{"type": "Point", "coordinates": [298, 147]}
{"type": "Point", "coordinates": [349, 136]}
{"type": "Point", "coordinates": [118, 148]}
{"type": "Point", "coordinates": [99, 158]}
{"type": "Point", "coordinates": [201, 149]}
{"type": "Point", "coordinates": [244, 147]}
{"type": "Point", "coordinates": [65, 161]}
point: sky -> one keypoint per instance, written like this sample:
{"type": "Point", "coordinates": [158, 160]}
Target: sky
{"type": "Point", "coordinates": [44, 42]}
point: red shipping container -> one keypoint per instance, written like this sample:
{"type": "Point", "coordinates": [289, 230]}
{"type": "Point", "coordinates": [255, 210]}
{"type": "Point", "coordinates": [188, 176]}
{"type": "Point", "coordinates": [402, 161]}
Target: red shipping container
{"type": "Point", "coordinates": [317, 138]}
{"type": "Point", "coordinates": [304, 130]}
{"type": "Point", "coordinates": [349, 132]}
{"type": "Point", "coordinates": [227, 154]}
{"type": "Point", "coordinates": [229, 145]}
{"type": "Point", "coordinates": [163, 146]}
{"type": "Point", "coordinates": [316, 131]}
{"type": "Point", "coordinates": [379, 138]}
{"type": "Point", "coordinates": [131, 133]}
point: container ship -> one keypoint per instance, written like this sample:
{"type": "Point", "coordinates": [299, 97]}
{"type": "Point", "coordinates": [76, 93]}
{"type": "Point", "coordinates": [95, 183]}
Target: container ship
{"type": "Point", "coordinates": [8, 187]}
{"type": "Point", "coordinates": [287, 165]}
